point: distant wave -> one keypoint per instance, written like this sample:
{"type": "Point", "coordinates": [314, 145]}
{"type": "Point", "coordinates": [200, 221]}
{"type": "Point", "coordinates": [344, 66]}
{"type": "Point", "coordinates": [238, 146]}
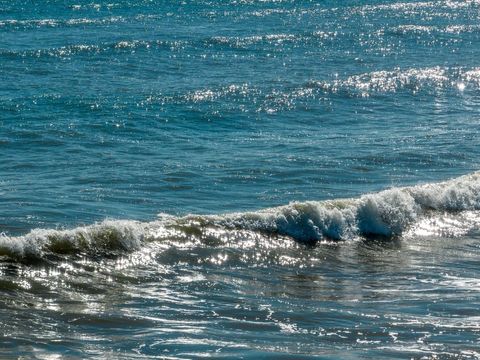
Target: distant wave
{"type": "Point", "coordinates": [89, 49]}
{"type": "Point", "coordinates": [375, 83]}
{"type": "Point", "coordinates": [272, 98]}
{"type": "Point", "coordinates": [447, 208]}
{"type": "Point", "coordinates": [412, 79]}
{"type": "Point", "coordinates": [14, 24]}
{"type": "Point", "coordinates": [421, 29]}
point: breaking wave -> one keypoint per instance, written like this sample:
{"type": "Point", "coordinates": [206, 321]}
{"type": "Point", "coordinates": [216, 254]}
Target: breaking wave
{"type": "Point", "coordinates": [449, 208]}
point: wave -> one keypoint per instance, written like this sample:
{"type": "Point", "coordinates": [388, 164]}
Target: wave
{"type": "Point", "coordinates": [28, 24]}
{"type": "Point", "coordinates": [412, 79]}
{"type": "Point", "coordinates": [249, 97]}
{"type": "Point", "coordinates": [387, 213]}
{"type": "Point", "coordinates": [430, 29]}
{"type": "Point", "coordinates": [14, 24]}
{"type": "Point", "coordinates": [218, 42]}
{"type": "Point", "coordinates": [275, 39]}
{"type": "Point", "coordinates": [90, 49]}
{"type": "Point", "coordinates": [447, 208]}
{"type": "Point", "coordinates": [419, 7]}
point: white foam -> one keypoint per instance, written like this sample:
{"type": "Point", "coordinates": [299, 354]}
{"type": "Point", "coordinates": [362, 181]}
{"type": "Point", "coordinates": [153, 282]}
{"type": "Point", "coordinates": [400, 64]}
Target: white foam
{"type": "Point", "coordinates": [387, 213]}
{"type": "Point", "coordinates": [107, 235]}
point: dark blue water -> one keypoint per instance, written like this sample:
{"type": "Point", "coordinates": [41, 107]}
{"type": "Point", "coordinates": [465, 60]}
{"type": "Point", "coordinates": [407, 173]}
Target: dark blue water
{"type": "Point", "coordinates": [239, 179]}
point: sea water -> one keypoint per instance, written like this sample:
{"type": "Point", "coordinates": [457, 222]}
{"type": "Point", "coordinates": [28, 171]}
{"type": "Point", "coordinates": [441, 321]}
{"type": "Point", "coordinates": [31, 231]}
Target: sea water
{"type": "Point", "coordinates": [239, 179]}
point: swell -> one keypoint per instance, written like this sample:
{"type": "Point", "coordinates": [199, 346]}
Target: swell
{"type": "Point", "coordinates": [214, 43]}
{"type": "Point", "coordinates": [91, 49]}
{"type": "Point", "coordinates": [13, 24]}
{"type": "Point", "coordinates": [251, 97]}
{"type": "Point", "coordinates": [387, 214]}
{"type": "Point", "coordinates": [412, 81]}
{"type": "Point", "coordinates": [266, 98]}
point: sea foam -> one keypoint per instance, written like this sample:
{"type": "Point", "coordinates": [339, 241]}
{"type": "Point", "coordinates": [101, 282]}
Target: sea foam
{"type": "Point", "coordinates": [388, 213]}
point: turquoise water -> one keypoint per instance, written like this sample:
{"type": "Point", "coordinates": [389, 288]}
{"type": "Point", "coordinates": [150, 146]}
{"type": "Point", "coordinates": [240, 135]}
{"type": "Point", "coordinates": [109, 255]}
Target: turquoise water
{"type": "Point", "coordinates": [239, 179]}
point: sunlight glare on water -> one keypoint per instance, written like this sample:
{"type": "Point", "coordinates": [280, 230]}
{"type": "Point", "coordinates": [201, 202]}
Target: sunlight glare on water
{"type": "Point", "coordinates": [239, 179]}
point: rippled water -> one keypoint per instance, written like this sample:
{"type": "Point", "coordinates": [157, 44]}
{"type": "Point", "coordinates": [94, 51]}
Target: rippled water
{"type": "Point", "coordinates": [239, 179]}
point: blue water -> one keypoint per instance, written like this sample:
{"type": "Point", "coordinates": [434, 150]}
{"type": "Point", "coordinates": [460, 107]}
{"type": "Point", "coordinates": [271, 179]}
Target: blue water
{"type": "Point", "coordinates": [239, 179]}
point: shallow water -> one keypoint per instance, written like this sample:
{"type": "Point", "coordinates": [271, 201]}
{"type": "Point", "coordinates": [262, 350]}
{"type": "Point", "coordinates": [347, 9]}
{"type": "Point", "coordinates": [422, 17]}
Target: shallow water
{"type": "Point", "coordinates": [239, 179]}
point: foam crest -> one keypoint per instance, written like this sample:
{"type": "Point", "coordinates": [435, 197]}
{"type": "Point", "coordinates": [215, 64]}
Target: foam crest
{"type": "Point", "coordinates": [455, 195]}
{"type": "Point", "coordinates": [389, 213]}
{"type": "Point", "coordinates": [108, 236]}
{"type": "Point", "coordinates": [383, 214]}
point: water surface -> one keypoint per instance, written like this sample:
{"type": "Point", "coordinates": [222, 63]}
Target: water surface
{"type": "Point", "coordinates": [239, 179]}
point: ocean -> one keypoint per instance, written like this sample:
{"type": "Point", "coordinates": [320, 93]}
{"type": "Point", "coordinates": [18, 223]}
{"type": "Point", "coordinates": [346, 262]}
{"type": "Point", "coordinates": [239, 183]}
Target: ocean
{"type": "Point", "coordinates": [245, 179]}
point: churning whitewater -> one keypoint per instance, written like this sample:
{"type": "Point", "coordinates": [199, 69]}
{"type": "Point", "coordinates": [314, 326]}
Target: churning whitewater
{"type": "Point", "coordinates": [386, 214]}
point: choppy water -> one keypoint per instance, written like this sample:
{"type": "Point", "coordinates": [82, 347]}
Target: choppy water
{"type": "Point", "coordinates": [240, 179]}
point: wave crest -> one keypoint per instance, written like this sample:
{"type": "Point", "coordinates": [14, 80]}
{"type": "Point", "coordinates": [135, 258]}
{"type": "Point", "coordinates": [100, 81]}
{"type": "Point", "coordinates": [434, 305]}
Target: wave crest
{"type": "Point", "coordinates": [388, 213]}
{"type": "Point", "coordinates": [98, 238]}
